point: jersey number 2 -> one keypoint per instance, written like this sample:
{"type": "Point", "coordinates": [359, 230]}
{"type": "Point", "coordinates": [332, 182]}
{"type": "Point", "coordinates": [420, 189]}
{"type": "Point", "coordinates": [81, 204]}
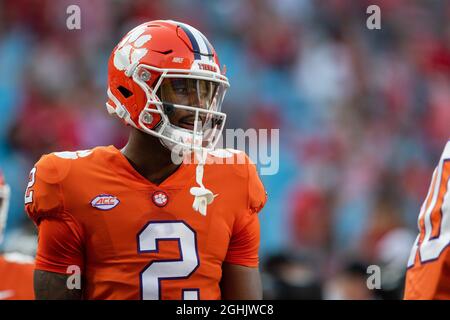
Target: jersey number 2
{"type": "Point", "coordinates": [28, 191]}
{"type": "Point", "coordinates": [158, 270]}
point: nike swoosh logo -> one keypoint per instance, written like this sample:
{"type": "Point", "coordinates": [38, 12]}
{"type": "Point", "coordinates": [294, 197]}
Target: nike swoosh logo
{"type": "Point", "coordinates": [6, 294]}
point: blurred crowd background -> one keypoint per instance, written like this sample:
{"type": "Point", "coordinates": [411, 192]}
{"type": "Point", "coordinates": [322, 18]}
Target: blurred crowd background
{"type": "Point", "coordinates": [363, 117]}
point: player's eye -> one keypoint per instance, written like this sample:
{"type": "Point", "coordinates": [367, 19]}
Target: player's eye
{"type": "Point", "coordinates": [181, 91]}
{"type": "Point", "coordinates": [180, 87]}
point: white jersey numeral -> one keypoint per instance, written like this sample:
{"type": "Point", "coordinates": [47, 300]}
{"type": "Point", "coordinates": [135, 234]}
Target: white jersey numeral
{"type": "Point", "coordinates": [434, 217]}
{"type": "Point", "coordinates": [28, 191]}
{"type": "Point", "coordinates": [159, 270]}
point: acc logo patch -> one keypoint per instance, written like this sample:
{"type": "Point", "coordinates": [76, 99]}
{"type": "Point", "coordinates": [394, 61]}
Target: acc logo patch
{"type": "Point", "coordinates": [160, 198]}
{"type": "Point", "coordinates": [105, 202]}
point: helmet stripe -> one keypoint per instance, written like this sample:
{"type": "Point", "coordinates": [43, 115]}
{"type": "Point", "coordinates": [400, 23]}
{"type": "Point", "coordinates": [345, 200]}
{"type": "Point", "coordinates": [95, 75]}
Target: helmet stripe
{"type": "Point", "coordinates": [194, 43]}
{"type": "Point", "coordinates": [208, 45]}
{"type": "Point", "coordinates": [201, 46]}
{"type": "Point", "coordinates": [201, 43]}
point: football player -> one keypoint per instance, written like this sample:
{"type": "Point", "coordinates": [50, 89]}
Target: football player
{"type": "Point", "coordinates": [428, 274]}
{"type": "Point", "coordinates": [134, 223]}
{"type": "Point", "coordinates": [16, 270]}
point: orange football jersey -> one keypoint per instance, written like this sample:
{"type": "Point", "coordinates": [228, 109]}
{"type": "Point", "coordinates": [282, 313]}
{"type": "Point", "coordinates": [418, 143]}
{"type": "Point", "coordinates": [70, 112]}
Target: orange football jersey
{"type": "Point", "coordinates": [16, 277]}
{"type": "Point", "coordinates": [428, 274]}
{"type": "Point", "coordinates": [133, 239]}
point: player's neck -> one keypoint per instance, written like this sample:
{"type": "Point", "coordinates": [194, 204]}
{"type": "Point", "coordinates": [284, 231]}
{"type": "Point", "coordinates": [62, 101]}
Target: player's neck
{"type": "Point", "coordinates": [149, 157]}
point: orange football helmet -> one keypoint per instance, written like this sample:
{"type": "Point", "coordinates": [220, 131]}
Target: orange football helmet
{"type": "Point", "coordinates": [4, 204]}
{"type": "Point", "coordinates": [163, 68]}
{"type": "Point", "coordinates": [148, 71]}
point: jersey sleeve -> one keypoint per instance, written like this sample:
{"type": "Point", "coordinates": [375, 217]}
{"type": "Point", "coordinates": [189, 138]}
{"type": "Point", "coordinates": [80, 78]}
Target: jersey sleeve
{"type": "Point", "coordinates": [59, 245]}
{"type": "Point", "coordinates": [43, 196]}
{"type": "Point", "coordinates": [59, 235]}
{"type": "Point", "coordinates": [244, 243]}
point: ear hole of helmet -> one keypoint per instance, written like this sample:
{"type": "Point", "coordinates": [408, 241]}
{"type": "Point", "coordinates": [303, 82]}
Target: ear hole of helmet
{"type": "Point", "coordinates": [125, 92]}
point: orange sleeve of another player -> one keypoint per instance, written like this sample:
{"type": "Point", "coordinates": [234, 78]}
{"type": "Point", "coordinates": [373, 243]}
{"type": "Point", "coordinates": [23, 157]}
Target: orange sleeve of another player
{"type": "Point", "coordinates": [60, 239]}
{"type": "Point", "coordinates": [244, 243]}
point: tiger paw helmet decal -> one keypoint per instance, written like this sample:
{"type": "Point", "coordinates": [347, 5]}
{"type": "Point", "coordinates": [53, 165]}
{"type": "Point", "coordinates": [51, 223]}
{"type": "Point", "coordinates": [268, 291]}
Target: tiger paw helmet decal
{"type": "Point", "coordinates": [129, 51]}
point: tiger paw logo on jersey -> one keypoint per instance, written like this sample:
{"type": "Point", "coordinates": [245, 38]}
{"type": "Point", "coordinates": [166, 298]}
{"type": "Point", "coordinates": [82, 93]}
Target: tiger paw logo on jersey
{"type": "Point", "coordinates": [160, 198]}
{"type": "Point", "coordinates": [105, 202]}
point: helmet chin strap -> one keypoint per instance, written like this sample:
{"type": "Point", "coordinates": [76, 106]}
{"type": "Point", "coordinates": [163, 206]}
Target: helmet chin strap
{"type": "Point", "coordinates": [202, 196]}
